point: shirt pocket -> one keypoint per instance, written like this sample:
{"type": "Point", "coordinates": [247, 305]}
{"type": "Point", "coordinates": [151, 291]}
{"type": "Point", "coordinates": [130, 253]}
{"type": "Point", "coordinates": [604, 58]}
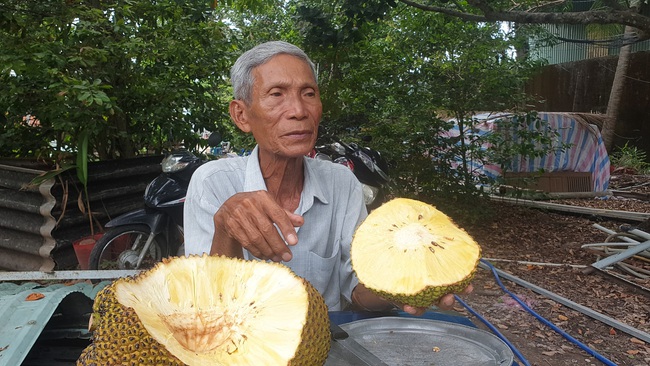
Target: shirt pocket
{"type": "Point", "coordinates": [323, 268]}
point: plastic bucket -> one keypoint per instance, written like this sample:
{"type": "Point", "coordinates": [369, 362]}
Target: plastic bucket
{"type": "Point", "coordinates": [83, 247]}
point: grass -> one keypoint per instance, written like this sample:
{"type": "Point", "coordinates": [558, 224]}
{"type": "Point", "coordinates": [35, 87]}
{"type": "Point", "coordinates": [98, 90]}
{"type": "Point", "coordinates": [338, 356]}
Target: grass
{"type": "Point", "coordinates": [630, 157]}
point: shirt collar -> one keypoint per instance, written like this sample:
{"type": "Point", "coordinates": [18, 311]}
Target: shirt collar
{"type": "Point", "coordinates": [312, 188]}
{"type": "Point", "coordinates": [253, 180]}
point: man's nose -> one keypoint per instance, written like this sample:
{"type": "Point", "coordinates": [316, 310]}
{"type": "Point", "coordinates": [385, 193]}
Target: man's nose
{"type": "Point", "coordinates": [298, 107]}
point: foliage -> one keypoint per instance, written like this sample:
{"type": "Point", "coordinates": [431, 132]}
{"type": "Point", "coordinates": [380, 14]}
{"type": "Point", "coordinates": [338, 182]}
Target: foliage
{"type": "Point", "coordinates": [139, 75]}
{"type": "Point", "coordinates": [400, 80]}
{"type": "Point", "coordinates": [630, 157]}
{"type": "Point", "coordinates": [90, 80]}
{"type": "Point", "coordinates": [134, 75]}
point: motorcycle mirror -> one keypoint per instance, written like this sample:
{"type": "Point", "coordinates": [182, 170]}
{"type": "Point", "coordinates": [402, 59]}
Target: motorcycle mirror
{"type": "Point", "coordinates": [214, 139]}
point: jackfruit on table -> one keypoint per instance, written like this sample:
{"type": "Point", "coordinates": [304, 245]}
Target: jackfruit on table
{"type": "Point", "coordinates": [209, 311]}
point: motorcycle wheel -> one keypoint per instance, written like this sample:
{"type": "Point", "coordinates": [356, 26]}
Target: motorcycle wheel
{"type": "Point", "coordinates": [120, 247]}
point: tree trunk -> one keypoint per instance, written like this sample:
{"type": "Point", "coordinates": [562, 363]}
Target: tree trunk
{"type": "Point", "coordinates": [616, 94]}
{"type": "Point", "coordinates": [124, 147]}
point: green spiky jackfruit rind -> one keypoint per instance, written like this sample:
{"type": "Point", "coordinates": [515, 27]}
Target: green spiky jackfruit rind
{"type": "Point", "coordinates": [119, 337]}
{"type": "Point", "coordinates": [316, 330]}
{"type": "Point", "coordinates": [88, 356]}
{"type": "Point", "coordinates": [428, 296]}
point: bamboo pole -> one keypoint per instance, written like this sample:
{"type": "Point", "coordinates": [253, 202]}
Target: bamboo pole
{"type": "Point", "coordinates": [614, 214]}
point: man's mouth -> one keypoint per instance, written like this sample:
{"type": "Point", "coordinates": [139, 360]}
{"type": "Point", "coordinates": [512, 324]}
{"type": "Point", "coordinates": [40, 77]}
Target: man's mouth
{"type": "Point", "coordinates": [298, 134]}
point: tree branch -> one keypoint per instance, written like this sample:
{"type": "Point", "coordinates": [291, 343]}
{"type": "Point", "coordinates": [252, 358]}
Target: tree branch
{"type": "Point", "coordinates": [617, 15]}
{"type": "Point", "coordinates": [586, 17]}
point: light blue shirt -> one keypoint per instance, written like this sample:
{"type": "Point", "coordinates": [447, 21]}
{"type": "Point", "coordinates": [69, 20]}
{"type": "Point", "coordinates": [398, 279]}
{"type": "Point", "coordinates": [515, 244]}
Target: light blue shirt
{"type": "Point", "coordinates": [331, 204]}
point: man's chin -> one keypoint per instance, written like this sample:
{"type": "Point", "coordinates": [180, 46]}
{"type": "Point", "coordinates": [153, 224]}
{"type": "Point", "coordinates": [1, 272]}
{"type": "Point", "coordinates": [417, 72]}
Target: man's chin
{"type": "Point", "coordinates": [297, 150]}
{"type": "Point", "coordinates": [293, 153]}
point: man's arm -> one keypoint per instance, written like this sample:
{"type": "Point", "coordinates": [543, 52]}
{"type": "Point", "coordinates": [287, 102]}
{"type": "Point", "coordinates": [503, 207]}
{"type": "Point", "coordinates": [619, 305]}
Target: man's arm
{"type": "Point", "coordinates": [199, 207]}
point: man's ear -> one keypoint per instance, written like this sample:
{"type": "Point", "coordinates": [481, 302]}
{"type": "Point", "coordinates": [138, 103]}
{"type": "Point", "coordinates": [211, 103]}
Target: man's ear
{"type": "Point", "coordinates": [239, 115]}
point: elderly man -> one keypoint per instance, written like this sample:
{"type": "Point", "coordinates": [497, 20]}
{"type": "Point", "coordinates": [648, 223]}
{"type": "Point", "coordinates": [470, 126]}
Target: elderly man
{"type": "Point", "coordinates": [277, 204]}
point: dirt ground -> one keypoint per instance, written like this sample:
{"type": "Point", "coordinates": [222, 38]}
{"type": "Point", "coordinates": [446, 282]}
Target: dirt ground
{"type": "Point", "coordinates": [544, 248]}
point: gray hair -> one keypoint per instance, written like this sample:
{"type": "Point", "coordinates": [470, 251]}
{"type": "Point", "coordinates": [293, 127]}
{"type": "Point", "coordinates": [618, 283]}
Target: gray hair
{"type": "Point", "coordinates": [241, 74]}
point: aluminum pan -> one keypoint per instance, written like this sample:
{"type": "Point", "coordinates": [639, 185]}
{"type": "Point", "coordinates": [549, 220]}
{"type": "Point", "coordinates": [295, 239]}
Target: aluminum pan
{"type": "Point", "coordinates": [411, 342]}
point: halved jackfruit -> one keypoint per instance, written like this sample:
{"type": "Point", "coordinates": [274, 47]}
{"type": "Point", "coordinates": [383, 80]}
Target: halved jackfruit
{"type": "Point", "coordinates": [210, 311]}
{"type": "Point", "coordinates": [408, 251]}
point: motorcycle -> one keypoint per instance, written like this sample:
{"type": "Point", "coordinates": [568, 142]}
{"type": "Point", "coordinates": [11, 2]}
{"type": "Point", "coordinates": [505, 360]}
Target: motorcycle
{"type": "Point", "coordinates": [367, 164]}
{"type": "Point", "coordinates": [141, 238]}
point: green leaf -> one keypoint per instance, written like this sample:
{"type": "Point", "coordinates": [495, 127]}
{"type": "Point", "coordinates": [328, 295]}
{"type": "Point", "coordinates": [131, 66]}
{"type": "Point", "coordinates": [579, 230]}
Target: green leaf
{"type": "Point", "coordinates": [47, 176]}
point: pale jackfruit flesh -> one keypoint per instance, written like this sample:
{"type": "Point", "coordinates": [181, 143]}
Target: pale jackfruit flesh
{"type": "Point", "coordinates": [209, 311]}
{"type": "Point", "coordinates": [409, 252]}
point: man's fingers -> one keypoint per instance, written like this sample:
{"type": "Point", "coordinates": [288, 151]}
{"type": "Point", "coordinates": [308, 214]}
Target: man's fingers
{"type": "Point", "coordinates": [269, 239]}
{"type": "Point", "coordinates": [246, 228]}
{"type": "Point", "coordinates": [244, 231]}
{"type": "Point", "coordinates": [296, 219]}
{"type": "Point", "coordinates": [414, 310]}
{"type": "Point", "coordinates": [446, 302]}
{"type": "Point", "coordinates": [253, 219]}
{"type": "Point", "coordinates": [289, 231]}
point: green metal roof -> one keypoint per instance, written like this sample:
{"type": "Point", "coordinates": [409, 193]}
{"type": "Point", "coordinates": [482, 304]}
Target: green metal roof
{"type": "Point", "coordinates": [30, 311]}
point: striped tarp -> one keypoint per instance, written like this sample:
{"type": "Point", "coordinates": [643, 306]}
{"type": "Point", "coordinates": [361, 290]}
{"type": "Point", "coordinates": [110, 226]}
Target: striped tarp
{"type": "Point", "coordinates": [586, 153]}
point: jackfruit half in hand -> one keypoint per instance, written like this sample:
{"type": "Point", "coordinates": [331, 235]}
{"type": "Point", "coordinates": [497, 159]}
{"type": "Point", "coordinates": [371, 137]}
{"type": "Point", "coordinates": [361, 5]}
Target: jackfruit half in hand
{"type": "Point", "coordinates": [210, 311]}
{"type": "Point", "coordinates": [409, 252]}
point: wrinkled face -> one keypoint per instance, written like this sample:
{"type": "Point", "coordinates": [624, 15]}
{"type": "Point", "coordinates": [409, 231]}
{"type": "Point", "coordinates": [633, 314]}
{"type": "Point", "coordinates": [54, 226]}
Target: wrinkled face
{"type": "Point", "coordinates": [285, 110]}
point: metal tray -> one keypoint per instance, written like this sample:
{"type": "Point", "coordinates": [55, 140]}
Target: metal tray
{"type": "Point", "coordinates": [424, 342]}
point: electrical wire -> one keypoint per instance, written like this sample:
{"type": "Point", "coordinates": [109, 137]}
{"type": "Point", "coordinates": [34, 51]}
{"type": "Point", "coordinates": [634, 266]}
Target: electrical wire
{"type": "Point", "coordinates": [564, 334]}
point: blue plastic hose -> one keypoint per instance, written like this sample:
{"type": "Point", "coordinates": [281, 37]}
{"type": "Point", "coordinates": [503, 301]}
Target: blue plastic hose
{"type": "Point", "coordinates": [495, 331]}
{"type": "Point", "coordinates": [564, 334]}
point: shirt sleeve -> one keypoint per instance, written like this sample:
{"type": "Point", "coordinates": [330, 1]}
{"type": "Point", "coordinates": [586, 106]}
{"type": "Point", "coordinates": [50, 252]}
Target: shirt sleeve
{"type": "Point", "coordinates": [199, 209]}
{"type": "Point", "coordinates": [355, 214]}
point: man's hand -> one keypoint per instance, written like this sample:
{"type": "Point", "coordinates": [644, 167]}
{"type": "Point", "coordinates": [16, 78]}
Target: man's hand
{"type": "Point", "coordinates": [248, 220]}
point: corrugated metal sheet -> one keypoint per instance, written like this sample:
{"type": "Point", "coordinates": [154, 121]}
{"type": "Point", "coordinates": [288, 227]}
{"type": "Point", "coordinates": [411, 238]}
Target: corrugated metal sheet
{"type": "Point", "coordinates": [26, 219]}
{"type": "Point", "coordinates": [38, 225]}
{"type": "Point", "coordinates": [581, 42]}
{"type": "Point", "coordinates": [563, 51]}
{"type": "Point", "coordinates": [61, 313]}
